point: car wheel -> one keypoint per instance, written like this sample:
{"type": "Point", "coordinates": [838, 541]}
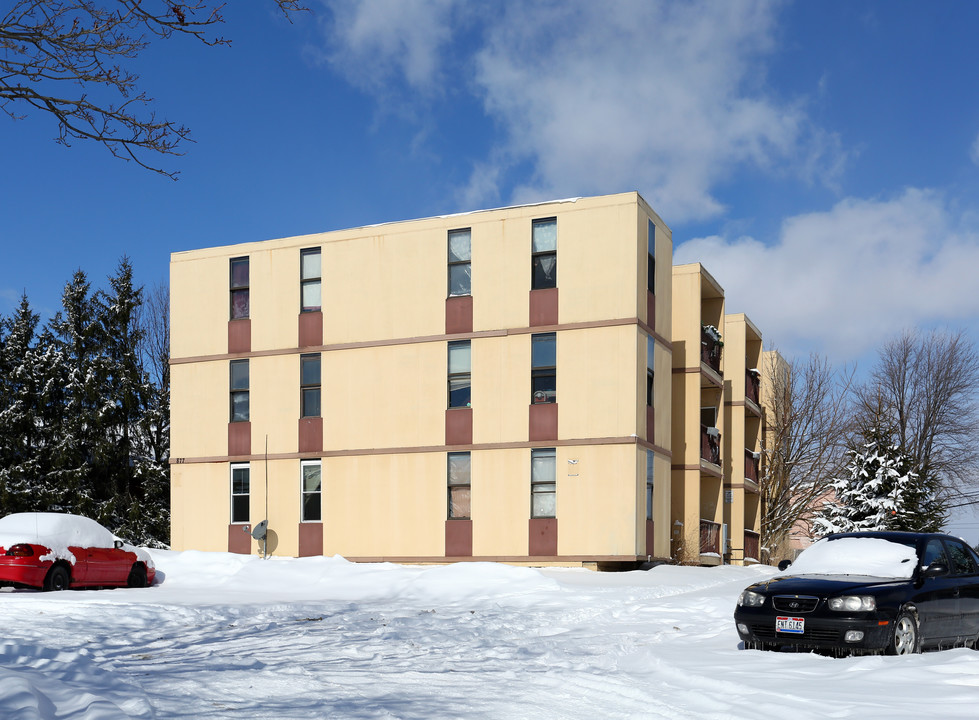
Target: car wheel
{"type": "Point", "coordinates": [904, 639]}
{"type": "Point", "coordinates": [57, 578]}
{"type": "Point", "coordinates": [137, 577]}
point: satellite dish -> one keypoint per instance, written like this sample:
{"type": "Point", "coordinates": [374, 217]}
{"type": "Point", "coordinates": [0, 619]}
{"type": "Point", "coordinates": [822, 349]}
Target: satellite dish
{"type": "Point", "coordinates": [260, 530]}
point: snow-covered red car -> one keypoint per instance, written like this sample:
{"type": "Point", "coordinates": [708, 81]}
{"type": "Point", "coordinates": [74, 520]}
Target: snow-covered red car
{"type": "Point", "coordinates": [58, 551]}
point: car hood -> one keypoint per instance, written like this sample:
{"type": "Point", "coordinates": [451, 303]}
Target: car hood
{"type": "Point", "coordinates": [823, 585]}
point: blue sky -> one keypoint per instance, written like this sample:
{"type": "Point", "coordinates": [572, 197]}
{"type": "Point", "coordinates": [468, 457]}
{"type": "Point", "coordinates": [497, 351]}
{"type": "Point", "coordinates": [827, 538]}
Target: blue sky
{"type": "Point", "coordinates": [821, 159]}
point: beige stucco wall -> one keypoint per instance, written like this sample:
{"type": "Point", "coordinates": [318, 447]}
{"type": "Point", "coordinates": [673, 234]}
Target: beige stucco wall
{"type": "Point", "coordinates": [200, 506]}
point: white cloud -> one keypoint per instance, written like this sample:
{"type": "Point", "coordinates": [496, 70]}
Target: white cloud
{"type": "Point", "coordinates": [841, 281]}
{"type": "Point", "coordinates": [667, 98]}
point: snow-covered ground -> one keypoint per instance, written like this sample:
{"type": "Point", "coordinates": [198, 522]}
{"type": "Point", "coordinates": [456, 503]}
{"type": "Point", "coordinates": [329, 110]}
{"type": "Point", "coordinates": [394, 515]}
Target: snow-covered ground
{"type": "Point", "coordinates": [226, 636]}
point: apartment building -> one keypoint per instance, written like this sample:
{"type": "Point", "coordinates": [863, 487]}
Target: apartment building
{"type": "Point", "coordinates": [497, 385]}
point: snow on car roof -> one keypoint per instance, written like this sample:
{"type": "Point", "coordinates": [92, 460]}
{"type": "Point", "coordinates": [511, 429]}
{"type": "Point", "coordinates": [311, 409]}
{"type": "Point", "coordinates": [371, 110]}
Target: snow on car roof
{"type": "Point", "coordinates": [53, 529]}
{"type": "Point", "coordinates": [874, 557]}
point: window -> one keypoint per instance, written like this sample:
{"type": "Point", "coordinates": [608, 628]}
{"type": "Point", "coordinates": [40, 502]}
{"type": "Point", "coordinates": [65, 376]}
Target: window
{"type": "Point", "coordinates": [310, 279]}
{"type": "Point", "coordinates": [650, 457]}
{"type": "Point", "coordinates": [239, 391]}
{"type": "Point", "coordinates": [309, 380]}
{"type": "Point", "coordinates": [543, 368]}
{"type": "Point", "coordinates": [240, 487]}
{"type": "Point", "coordinates": [460, 375]}
{"type": "Point", "coordinates": [239, 288]}
{"type": "Point", "coordinates": [312, 490]}
{"type": "Point", "coordinates": [933, 553]}
{"type": "Point", "coordinates": [963, 562]}
{"type": "Point", "coordinates": [544, 253]}
{"type": "Point", "coordinates": [650, 354]}
{"type": "Point", "coordinates": [651, 257]}
{"type": "Point", "coordinates": [543, 486]}
{"type": "Point", "coordinates": [460, 262]}
{"type": "Point", "coordinates": [459, 475]}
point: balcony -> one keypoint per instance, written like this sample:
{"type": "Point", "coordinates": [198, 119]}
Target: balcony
{"type": "Point", "coordinates": [752, 545]}
{"type": "Point", "coordinates": [710, 444]}
{"type": "Point", "coordinates": [751, 383]}
{"type": "Point", "coordinates": [710, 538]}
{"type": "Point", "coordinates": [751, 460]}
{"type": "Point", "coordinates": [710, 348]}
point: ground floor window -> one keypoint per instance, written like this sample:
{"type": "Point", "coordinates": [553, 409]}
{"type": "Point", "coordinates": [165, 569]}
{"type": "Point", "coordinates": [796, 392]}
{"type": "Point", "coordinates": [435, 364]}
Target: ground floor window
{"type": "Point", "coordinates": [650, 457]}
{"type": "Point", "coordinates": [240, 492]}
{"type": "Point", "coordinates": [312, 491]}
{"type": "Point", "coordinates": [459, 484]}
{"type": "Point", "coordinates": [543, 485]}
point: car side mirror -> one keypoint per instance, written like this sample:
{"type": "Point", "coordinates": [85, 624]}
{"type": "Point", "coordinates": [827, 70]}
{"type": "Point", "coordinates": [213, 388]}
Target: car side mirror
{"type": "Point", "coordinates": [936, 569]}
{"type": "Point", "coordinates": [784, 565]}
{"type": "Point", "coordinates": [117, 544]}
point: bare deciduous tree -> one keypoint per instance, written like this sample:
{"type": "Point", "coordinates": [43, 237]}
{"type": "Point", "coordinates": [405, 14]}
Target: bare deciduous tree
{"type": "Point", "coordinates": [66, 58]}
{"type": "Point", "coordinates": [806, 418]}
{"type": "Point", "coordinates": [928, 384]}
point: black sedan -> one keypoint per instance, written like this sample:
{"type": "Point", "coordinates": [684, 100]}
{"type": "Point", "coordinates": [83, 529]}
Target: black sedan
{"type": "Point", "coordinates": [850, 593]}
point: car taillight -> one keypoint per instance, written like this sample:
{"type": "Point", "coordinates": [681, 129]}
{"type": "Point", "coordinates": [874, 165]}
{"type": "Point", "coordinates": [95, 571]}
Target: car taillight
{"type": "Point", "coordinates": [21, 550]}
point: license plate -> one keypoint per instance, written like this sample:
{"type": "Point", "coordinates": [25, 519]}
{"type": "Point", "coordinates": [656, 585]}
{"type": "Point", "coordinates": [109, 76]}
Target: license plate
{"type": "Point", "coordinates": [790, 625]}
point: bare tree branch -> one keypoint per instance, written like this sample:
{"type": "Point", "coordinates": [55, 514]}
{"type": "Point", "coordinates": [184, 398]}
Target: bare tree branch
{"type": "Point", "coordinates": [67, 58]}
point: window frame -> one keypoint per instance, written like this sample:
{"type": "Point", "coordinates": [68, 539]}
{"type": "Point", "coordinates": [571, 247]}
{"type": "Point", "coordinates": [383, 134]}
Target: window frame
{"type": "Point", "coordinates": [305, 282]}
{"type": "Point", "coordinates": [305, 494]}
{"type": "Point", "coordinates": [543, 487]}
{"type": "Point", "coordinates": [651, 256]}
{"type": "Point", "coordinates": [650, 370]}
{"type": "Point", "coordinates": [456, 264]}
{"type": "Point", "coordinates": [239, 391]}
{"type": "Point", "coordinates": [238, 289]}
{"type": "Point", "coordinates": [536, 256]}
{"type": "Point", "coordinates": [458, 376]}
{"type": "Point", "coordinates": [650, 482]}
{"type": "Point", "coordinates": [457, 486]}
{"type": "Point", "coordinates": [305, 387]}
{"type": "Point", "coordinates": [542, 372]}
{"type": "Point", "coordinates": [235, 507]}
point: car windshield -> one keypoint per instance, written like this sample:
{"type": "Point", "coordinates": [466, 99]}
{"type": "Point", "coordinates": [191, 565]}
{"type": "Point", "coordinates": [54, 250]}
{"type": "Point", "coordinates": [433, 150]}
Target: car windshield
{"type": "Point", "coordinates": [873, 557]}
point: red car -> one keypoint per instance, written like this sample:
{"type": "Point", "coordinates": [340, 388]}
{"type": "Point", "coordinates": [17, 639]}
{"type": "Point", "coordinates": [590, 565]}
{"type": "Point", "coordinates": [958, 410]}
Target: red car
{"type": "Point", "coordinates": [56, 551]}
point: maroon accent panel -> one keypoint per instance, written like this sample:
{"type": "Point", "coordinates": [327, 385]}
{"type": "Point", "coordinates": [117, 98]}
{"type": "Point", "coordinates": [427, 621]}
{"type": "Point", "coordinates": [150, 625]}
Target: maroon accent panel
{"type": "Point", "coordinates": [458, 538]}
{"type": "Point", "coordinates": [543, 421]}
{"type": "Point", "coordinates": [650, 424]}
{"type": "Point", "coordinates": [239, 438]}
{"type": "Point", "coordinates": [543, 537]}
{"type": "Point", "coordinates": [239, 541]}
{"type": "Point", "coordinates": [543, 307]}
{"type": "Point", "coordinates": [310, 329]}
{"type": "Point", "coordinates": [310, 539]}
{"type": "Point", "coordinates": [459, 426]}
{"type": "Point", "coordinates": [649, 537]}
{"type": "Point", "coordinates": [650, 310]}
{"type": "Point", "coordinates": [240, 335]}
{"type": "Point", "coordinates": [459, 314]}
{"type": "Point", "coordinates": [311, 434]}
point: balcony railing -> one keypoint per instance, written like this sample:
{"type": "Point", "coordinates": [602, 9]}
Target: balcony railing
{"type": "Point", "coordinates": [750, 465]}
{"type": "Point", "coordinates": [710, 349]}
{"type": "Point", "coordinates": [751, 384]}
{"type": "Point", "coordinates": [752, 545]}
{"type": "Point", "coordinates": [710, 444]}
{"type": "Point", "coordinates": [710, 537]}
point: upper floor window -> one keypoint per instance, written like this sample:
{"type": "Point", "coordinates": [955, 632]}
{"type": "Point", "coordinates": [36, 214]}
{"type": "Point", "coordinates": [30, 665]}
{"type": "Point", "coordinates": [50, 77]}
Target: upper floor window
{"type": "Point", "coordinates": [460, 374]}
{"type": "Point", "coordinates": [650, 457]}
{"type": "Point", "coordinates": [460, 262]}
{"type": "Point", "coordinates": [309, 380]}
{"type": "Point", "coordinates": [543, 483]}
{"type": "Point", "coordinates": [312, 490]}
{"type": "Point", "coordinates": [310, 279]}
{"type": "Point", "coordinates": [239, 288]}
{"type": "Point", "coordinates": [459, 476]}
{"type": "Point", "coordinates": [650, 354]}
{"type": "Point", "coordinates": [543, 373]}
{"type": "Point", "coordinates": [239, 391]}
{"type": "Point", "coordinates": [240, 489]}
{"type": "Point", "coordinates": [544, 253]}
{"type": "Point", "coordinates": [651, 257]}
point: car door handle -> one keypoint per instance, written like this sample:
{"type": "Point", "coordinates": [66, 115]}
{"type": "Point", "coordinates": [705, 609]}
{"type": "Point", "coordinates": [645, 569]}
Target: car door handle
{"type": "Point", "coordinates": [955, 592]}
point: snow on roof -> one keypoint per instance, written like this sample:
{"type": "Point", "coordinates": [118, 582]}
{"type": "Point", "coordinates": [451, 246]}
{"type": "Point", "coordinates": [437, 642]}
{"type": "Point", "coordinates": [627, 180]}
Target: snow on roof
{"type": "Point", "coordinates": [873, 557]}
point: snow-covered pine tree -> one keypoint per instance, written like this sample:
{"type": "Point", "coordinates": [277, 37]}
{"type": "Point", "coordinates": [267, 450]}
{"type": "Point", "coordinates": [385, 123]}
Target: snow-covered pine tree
{"type": "Point", "coordinates": [880, 492]}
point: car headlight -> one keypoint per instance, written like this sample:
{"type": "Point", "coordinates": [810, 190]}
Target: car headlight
{"type": "Point", "coordinates": [751, 599]}
{"type": "Point", "coordinates": [853, 603]}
